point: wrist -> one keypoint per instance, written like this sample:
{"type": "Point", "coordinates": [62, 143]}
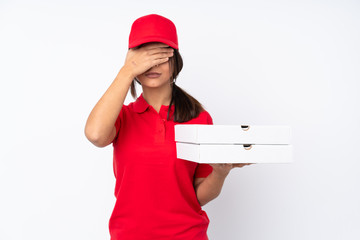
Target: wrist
{"type": "Point", "coordinates": [221, 175]}
{"type": "Point", "coordinates": [126, 73]}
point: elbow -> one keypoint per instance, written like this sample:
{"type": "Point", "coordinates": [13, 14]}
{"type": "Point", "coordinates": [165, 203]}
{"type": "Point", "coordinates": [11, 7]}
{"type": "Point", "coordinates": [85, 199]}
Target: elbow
{"type": "Point", "coordinates": [204, 202]}
{"type": "Point", "coordinates": [95, 137]}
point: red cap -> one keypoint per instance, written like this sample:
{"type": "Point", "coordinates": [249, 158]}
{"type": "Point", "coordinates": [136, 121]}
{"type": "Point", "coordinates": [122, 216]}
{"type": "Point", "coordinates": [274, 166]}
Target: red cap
{"type": "Point", "coordinates": [153, 28]}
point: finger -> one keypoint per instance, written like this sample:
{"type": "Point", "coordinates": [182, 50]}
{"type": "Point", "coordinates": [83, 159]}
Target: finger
{"type": "Point", "coordinates": [150, 50]}
{"type": "Point", "coordinates": [160, 58]}
{"type": "Point", "coordinates": [162, 55]}
{"type": "Point", "coordinates": [240, 164]}
{"type": "Point", "coordinates": [157, 51]}
{"type": "Point", "coordinates": [219, 164]}
{"type": "Point", "coordinates": [237, 165]}
{"type": "Point", "coordinates": [159, 61]}
{"type": "Point", "coordinates": [155, 45]}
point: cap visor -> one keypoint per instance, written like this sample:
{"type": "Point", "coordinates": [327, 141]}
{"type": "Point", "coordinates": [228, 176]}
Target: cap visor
{"type": "Point", "coordinates": [152, 39]}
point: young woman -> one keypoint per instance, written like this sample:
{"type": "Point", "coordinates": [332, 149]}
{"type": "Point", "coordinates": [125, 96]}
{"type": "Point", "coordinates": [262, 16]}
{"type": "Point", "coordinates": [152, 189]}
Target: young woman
{"type": "Point", "coordinates": [157, 195]}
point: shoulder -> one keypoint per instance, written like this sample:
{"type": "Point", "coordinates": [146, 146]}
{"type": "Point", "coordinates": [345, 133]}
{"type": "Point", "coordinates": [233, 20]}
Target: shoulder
{"type": "Point", "coordinates": [125, 110]}
{"type": "Point", "coordinates": [206, 117]}
{"type": "Point", "coordinates": [128, 108]}
{"type": "Point", "coordinates": [203, 118]}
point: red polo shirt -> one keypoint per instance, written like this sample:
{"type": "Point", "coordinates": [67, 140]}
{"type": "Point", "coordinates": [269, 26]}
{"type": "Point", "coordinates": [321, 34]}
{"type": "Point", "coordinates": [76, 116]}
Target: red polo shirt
{"type": "Point", "coordinates": [155, 195]}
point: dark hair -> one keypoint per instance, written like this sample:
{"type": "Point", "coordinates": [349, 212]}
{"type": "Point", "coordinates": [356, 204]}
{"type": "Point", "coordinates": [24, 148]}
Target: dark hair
{"type": "Point", "coordinates": [186, 106]}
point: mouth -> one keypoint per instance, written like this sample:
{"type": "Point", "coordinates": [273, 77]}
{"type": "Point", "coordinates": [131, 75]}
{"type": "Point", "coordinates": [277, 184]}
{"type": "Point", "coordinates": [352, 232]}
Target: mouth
{"type": "Point", "coordinates": [152, 74]}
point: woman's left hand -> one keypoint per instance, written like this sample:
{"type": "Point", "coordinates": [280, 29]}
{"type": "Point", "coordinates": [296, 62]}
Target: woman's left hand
{"type": "Point", "coordinates": [223, 169]}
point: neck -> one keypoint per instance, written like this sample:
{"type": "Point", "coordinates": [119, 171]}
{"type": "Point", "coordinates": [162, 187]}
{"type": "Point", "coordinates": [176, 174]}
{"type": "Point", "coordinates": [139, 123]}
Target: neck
{"type": "Point", "coordinates": [157, 97]}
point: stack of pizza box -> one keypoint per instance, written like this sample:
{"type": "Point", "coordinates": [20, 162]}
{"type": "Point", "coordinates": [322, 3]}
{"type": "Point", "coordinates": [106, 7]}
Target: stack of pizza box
{"type": "Point", "coordinates": [233, 143]}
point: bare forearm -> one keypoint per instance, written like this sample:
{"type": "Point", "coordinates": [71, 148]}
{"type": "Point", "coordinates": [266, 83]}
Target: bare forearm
{"type": "Point", "coordinates": [210, 188]}
{"type": "Point", "coordinates": [100, 123]}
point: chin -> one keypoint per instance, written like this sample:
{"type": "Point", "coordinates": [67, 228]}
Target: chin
{"type": "Point", "coordinates": [152, 84]}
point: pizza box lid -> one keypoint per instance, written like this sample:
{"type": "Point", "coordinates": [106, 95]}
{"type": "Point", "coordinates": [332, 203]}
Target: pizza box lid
{"type": "Point", "coordinates": [232, 134]}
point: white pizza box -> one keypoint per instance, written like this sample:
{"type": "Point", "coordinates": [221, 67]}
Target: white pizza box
{"type": "Point", "coordinates": [234, 153]}
{"type": "Point", "coordinates": [229, 134]}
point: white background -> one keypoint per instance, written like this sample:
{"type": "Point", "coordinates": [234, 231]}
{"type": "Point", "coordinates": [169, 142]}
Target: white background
{"type": "Point", "coordinates": [257, 62]}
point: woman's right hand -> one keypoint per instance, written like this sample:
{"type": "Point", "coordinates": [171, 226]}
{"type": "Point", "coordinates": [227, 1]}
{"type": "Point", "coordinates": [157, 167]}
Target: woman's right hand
{"type": "Point", "coordinates": [141, 59]}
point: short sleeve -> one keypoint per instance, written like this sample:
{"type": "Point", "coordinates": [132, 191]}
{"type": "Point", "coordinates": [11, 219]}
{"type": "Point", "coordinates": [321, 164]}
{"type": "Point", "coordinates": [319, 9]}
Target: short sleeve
{"type": "Point", "coordinates": [203, 170]}
{"type": "Point", "coordinates": [118, 121]}
{"type": "Point", "coordinates": [209, 119]}
{"type": "Point", "coordinates": [117, 124]}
